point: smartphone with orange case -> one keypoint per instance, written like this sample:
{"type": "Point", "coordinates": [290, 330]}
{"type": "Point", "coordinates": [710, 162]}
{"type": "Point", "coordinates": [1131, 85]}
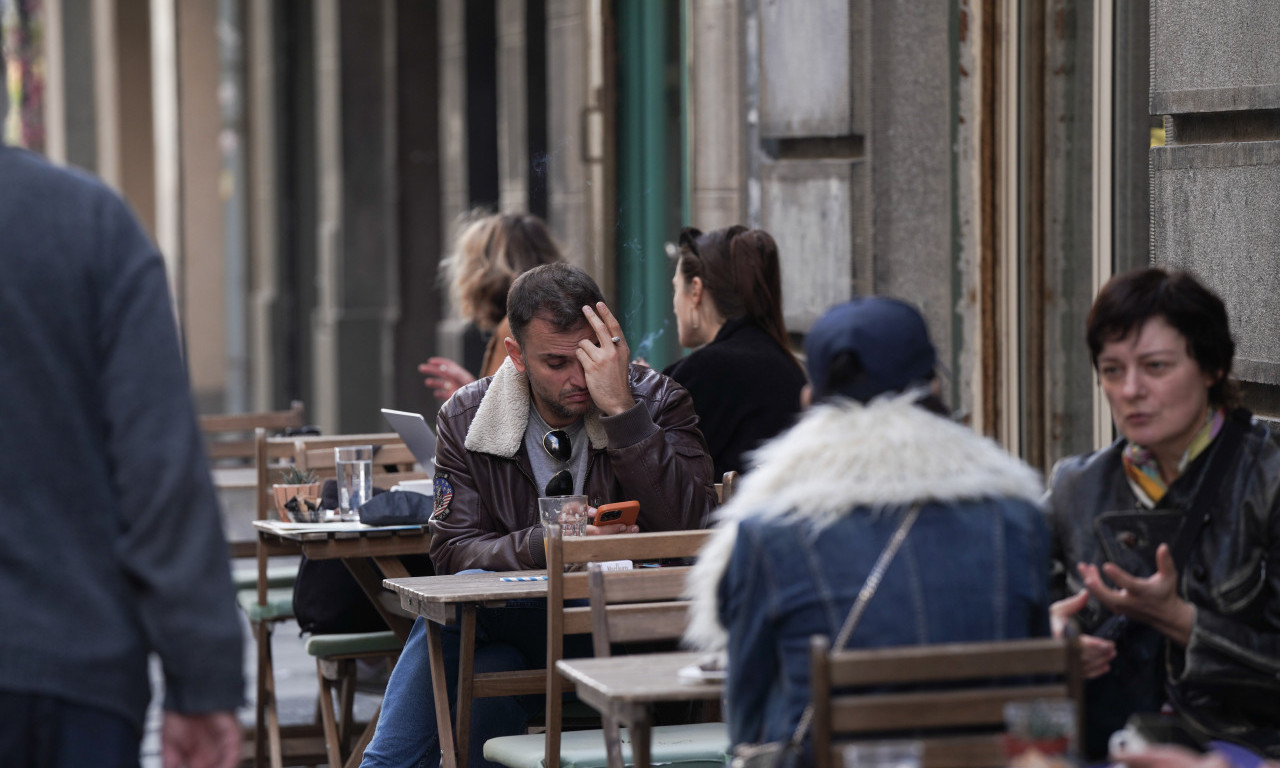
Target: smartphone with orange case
{"type": "Point", "coordinates": [619, 512]}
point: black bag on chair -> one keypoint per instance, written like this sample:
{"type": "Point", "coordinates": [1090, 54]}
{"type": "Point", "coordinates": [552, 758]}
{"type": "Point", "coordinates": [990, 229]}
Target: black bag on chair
{"type": "Point", "coordinates": [327, 600]}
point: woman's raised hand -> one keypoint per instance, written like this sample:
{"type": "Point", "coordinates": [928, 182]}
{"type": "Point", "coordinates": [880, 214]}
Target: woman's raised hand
{"type": "Point", "coordinates": [444, 376]}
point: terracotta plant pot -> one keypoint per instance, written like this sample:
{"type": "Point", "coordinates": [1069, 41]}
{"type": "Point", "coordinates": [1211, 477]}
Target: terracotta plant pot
{"type": "Point", "coordinates": [282, 494]}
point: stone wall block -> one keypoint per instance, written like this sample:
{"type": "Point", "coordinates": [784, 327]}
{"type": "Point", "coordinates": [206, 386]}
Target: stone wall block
{"type": "Point", "coordinates": [1214, 56]}
{"type": "Point", "coordinates": [1219, 211]}
{"type": "Point", "coordinates": [803, 94]}
{"type": "Point", "coordinates": [809, 208]}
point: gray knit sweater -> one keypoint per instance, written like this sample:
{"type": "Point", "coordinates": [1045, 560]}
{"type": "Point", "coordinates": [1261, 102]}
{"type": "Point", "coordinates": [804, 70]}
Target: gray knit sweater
{"type": "Point", "coordinates": [110, 540]}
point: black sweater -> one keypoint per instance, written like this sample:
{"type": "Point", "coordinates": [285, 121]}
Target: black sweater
{"type": "Point", "coordinates": [745, 388]}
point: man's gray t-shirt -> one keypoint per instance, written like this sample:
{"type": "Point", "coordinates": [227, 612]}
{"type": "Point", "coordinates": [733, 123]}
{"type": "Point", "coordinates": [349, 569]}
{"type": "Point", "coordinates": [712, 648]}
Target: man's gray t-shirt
{"type": "Point", "coordinates": [544, 466]}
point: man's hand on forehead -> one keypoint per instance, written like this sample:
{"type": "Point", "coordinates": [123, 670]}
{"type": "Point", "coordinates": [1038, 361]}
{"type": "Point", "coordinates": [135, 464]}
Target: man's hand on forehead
{"type": "Point", "coordinates": [604, 361]}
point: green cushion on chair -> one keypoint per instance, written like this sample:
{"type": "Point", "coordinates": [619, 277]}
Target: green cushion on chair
{"type": "Point", "coordinates": [694, 746]}
{"type": "Point", "coordinates": [279, 604]}
{"type": "Point", "coordinates": [355, 643]}
{"type": "Point", "coordinates": [277, 576]}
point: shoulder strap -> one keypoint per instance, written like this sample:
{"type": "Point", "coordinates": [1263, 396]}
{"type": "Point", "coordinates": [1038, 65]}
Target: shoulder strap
{"type": "Point", "coordinates": [859, 605]}
{"type": "Point", "coordinates": [1224, 456]}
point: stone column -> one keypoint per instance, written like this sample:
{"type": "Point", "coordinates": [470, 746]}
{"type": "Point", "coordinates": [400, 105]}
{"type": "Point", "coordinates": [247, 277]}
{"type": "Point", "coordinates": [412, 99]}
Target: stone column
{"type": "Point", "coordinates": [717, 114]}
{"type": "Point", "coordinates": [454, 193]}
{"type": "Point", "coordinates": [357, 256]}
{"type": "Point", "coordinates": [568, 202]}
{"type": "Point", "coordinates": [513, 109]}
{"type": "Point", "coordinates": [1215, 200]}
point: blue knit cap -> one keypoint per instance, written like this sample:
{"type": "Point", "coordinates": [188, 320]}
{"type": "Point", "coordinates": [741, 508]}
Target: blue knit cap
{"type": "Point", "coordinates": [889, 337]}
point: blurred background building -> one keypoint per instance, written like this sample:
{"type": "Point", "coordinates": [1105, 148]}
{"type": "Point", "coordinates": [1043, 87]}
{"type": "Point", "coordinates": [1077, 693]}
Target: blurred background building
{"type": "Point", "coordinates": [301, 163]}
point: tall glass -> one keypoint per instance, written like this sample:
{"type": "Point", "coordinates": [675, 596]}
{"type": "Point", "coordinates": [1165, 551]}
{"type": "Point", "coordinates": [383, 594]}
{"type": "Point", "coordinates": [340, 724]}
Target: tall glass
{"type": "Point", "coordinates": [567, 513]}
{"type": "Point", "coordinates": [354, 464]}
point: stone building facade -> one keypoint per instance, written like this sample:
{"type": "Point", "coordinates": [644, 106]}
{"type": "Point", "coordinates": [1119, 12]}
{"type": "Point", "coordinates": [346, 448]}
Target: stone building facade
{"type": "Point", "coordinates": [302, 163]}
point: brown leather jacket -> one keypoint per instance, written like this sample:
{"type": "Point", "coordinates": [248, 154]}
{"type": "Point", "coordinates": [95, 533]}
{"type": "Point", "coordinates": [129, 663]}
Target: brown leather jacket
{"type": "Point", "coordinates": [486, 513]}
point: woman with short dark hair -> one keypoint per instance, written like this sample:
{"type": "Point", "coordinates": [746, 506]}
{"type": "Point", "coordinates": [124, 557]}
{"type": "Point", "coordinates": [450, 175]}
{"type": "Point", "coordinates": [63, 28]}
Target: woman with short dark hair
{"type": "Point", "coordinates": [1180, 515]}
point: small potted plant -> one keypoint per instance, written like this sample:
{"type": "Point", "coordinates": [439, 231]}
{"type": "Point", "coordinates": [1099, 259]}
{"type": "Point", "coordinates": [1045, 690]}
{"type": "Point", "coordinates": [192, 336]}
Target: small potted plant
{"type": "Point", "coordinates": [297, 495]}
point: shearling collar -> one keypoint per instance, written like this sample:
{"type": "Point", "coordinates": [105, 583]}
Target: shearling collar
{"type": "Point", "coordinates": [500, 421]}
{"type": "Point", "coordinates": [844, 457]}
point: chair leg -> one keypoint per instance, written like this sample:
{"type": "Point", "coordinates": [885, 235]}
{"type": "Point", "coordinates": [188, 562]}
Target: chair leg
{"type": "Point", "coordinates": [357, 751]}
{"type": "Point", "coordinates": [260, 707]}
{"type": "Point", "coordinates": [347, 695]}
{"type": "Point", "coordinates": [267, 745]}
{"type": "Point", "coordinates": [332, 744]}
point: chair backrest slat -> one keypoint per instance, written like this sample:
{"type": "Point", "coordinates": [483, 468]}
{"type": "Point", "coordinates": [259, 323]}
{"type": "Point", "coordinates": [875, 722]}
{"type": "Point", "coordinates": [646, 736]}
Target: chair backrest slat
{"type": "Point", "coordinates": [231, 436]}
{"type": "Point", "coordinates": [936, 689]}
{"type": "Point", "coordinates": [943, 662]}
{"type": "Point", "coordinates": [635, 546]}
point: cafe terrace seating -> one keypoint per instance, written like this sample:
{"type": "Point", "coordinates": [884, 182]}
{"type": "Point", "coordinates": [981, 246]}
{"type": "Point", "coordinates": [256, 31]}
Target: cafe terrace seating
{"type": "Point", "coordinates": [963, 687]}
{"type": "Point", "coordinates": [269, 605]}
{"type": "Point", "coordinates": [645, 606]}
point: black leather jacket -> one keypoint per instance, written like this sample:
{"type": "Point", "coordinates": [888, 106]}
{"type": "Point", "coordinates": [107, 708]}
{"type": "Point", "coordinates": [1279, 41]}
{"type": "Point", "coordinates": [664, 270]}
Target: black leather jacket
{"type": "Point", "coordinates": [486, 502]}
{"type": "Point", "coordinates": [1227, 679]}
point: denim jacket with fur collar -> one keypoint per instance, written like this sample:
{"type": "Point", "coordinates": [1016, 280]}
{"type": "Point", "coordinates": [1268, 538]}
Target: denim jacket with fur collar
{"type": "Point", "coordinates": [794, 546]}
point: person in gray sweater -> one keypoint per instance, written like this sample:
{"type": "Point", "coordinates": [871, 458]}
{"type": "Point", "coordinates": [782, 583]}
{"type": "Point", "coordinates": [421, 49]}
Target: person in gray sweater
{"type": "Point", "coordinates": [111, 546]}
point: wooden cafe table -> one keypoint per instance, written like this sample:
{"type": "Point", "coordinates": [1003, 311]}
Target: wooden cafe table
{"type": "Point", "coordinates": [355, 544]}
{"type": "Point", "coordinates": [627, 687]}
{"type": "Point", "coordinates": [454, 599]}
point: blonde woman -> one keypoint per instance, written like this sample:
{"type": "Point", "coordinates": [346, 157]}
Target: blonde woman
{"type": "Point", "coordinates": [492, 251]}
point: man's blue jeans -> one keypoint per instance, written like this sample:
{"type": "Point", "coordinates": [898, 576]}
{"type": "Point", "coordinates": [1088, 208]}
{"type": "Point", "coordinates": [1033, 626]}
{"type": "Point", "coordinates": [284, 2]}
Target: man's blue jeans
{"type": "Point", "coordinates": [509, 638]}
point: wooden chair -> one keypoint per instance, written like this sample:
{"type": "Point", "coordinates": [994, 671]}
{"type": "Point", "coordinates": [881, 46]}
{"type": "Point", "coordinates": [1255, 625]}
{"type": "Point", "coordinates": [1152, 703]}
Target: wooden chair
{"type": "Point", "coordinates": [565, 620]}
{"type": "Point", "coordinates": [230, 443]}
{"type": "Point", "coordinates": [950, 687]}
{"type": "Point", "coordinates": [725, 488]}
{"type": "Point", "coordinates": [229, 438]}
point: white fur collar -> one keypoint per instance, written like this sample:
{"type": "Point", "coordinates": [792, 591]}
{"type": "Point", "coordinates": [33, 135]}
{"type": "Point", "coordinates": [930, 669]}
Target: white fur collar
{"type": "Point", "coordinates": [846, 456]}
{"type": "Point", "coordinates": [503, 414]}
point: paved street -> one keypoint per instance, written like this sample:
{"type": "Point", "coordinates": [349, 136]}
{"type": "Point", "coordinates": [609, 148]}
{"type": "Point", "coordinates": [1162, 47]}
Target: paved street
{"type": "Point", "coordinates": [295, 681]}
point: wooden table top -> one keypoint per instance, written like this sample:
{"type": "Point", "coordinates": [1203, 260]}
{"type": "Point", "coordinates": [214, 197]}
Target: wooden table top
{"type": "Point", "coordinates": [639, 678]}
{"type": "Point", "coordinates": [435, 597]}
{"type": "Point", "coordinates": [324, 531]}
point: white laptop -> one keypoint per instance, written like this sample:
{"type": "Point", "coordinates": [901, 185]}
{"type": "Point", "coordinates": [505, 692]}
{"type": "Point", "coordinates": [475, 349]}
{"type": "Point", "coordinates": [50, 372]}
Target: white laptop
{"type": "Point", "coordinates": [415, 433]}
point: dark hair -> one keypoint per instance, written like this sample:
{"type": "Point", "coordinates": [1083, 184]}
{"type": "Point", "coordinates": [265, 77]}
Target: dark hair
{"type": "Point", "coordinates": [739, 269]}
{"type": "Point", "coordinates": [492, 250]}
{"type": "Point", "coordinates": [554, 292]}
{"type": "Point", "coordinates": [845, 374]}
{"type": "Point", "coordinates": [1130, 299]}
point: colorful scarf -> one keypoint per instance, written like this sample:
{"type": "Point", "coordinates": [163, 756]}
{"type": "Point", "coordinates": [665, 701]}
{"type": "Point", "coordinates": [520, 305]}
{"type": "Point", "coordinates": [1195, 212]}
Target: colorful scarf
{"type": "Point", "coordinates": [1143, 471]}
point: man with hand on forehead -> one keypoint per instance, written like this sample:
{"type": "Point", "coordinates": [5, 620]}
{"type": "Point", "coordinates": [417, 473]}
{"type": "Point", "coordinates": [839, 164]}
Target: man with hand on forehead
{"type": "Point", "coordinates": [565, 414]}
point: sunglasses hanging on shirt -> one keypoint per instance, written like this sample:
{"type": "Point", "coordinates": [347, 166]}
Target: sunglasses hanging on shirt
{"type": "Point", "coordinates": [560, 448]}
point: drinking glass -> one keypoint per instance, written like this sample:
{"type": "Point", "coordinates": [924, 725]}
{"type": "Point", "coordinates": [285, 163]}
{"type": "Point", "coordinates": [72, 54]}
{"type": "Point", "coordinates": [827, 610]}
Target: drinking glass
{"type": "Point", "coordinates": [568, 512]}
{"type": "Point", "coordinates": [1043, 727]}
{"type": "Point", "coordinates": [354, 464]}
{"type": "Point", "coordinates": [884, 754]}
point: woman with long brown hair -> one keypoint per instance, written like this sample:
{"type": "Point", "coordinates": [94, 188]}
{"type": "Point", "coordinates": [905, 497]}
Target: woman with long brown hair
{"type": "Point", "coordinates": [743, 378]}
